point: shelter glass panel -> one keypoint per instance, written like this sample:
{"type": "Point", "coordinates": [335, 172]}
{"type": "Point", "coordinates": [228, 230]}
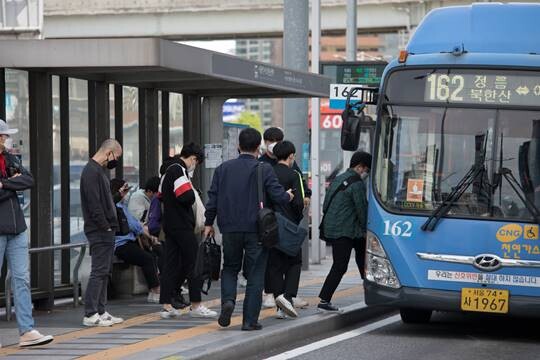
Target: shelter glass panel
{"type": "Point", "coordinates": [131, 135]}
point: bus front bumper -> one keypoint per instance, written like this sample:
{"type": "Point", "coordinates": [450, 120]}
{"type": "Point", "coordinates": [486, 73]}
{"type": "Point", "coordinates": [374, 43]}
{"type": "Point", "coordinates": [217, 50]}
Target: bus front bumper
{"type": "Point", "coordinates": [443, 300]}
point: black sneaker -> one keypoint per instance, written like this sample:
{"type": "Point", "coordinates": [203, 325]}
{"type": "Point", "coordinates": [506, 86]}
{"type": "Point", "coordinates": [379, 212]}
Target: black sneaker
{"type": "Point", "coordinates": [227, 309]}
{"type": "Point", "coordinates": [252, 327]}
{"type": "Point", "coordinates": [327, 307]}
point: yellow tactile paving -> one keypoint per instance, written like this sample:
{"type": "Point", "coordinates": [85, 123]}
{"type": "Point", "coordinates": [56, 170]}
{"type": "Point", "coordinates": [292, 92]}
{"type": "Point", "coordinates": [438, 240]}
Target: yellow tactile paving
{"type": "Point", "coordinates": [142, 319]}
{"type": "Point", "coordinates": [178, 335]}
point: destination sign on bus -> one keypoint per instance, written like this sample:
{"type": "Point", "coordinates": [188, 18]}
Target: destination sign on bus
{"type": "Point", "coordinates": [472, 88]}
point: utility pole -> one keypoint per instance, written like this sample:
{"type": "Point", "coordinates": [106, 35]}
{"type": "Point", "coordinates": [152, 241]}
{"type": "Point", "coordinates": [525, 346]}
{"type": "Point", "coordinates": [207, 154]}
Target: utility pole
{"type": "Point", "coordinates": [295, 56]}
{"type": "Point", "coordinates": [351, 34]}
{"type": "Point", "coordinates": [316, 248]}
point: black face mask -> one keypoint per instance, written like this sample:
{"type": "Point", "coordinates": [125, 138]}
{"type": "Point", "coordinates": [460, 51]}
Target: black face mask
{"type": "Point", "coordinates": [117, 198]}
{"type": "Point", "coordinates": [111, 164]}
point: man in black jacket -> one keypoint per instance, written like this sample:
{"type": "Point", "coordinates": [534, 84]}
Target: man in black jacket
{"type": "Point", "coordinates": [181, 246]}
{"type": "Point", "coordinates": [233, 198]}
{"type": "Point", "coordinates": [14, 238]}
{"type": "Point", "coordinates": [100, 225]}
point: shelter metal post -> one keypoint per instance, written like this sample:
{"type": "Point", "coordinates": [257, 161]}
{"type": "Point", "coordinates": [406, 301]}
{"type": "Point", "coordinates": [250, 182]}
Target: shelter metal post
{"type": "Point", "coordinates": [41, 164]}
{"type": "Point", "coordinates": [3, 94]}
{"type": "Point", "coordinates": [165, 125]}
{"type": "Point", "coordinates": [119, 126]}
{"type": "Point", "coordinates": [98, 114]}
{"type": "Point", "coordinates": [65, 177]}
{"type": "Point", "coordinates": [212, 133]}
{"type": "Point", "coordinates": [148, 134]}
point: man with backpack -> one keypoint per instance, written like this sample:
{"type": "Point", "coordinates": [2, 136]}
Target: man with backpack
{"type": "Point", "coordinates": [344, 224]}
{"type": "Point", "coordinates": [233, 199]}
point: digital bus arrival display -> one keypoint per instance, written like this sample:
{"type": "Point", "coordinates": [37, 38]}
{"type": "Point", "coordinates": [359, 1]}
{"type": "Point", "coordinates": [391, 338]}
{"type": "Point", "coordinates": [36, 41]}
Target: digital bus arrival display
{"type": "Point", "coordinates": [483, 89]}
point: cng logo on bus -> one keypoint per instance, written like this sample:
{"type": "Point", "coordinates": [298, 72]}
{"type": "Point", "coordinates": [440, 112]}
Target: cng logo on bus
{"type": "Point", "coordinates": [509, 233]}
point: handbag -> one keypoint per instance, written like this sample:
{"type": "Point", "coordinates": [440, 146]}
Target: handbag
{"type": "Point", "coordinates": [208, 262]}
{"type": "Point", "coordinates": [266, 218]}
{"type": "Point", "coordinates": [291, 236]}
{"type": "Point", "coordinates": [344, 185]}
{"type": "Point", "coordinates": [198, 211]}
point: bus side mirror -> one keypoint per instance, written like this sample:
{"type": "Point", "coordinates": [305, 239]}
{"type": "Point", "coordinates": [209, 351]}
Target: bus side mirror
{"type": "Point", "coordinates": [355, 124]}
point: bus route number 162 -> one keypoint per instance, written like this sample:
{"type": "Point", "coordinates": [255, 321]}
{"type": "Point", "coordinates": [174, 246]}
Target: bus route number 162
{"type": "Point", "coordinates": [398, 228]}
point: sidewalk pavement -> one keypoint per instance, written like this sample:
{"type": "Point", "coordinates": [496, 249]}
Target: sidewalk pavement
{"type": "Point", "coordinates": [144, 335]}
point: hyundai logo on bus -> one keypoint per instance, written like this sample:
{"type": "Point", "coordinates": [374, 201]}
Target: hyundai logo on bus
{"type": "Point", "coordinates": [487, 262]}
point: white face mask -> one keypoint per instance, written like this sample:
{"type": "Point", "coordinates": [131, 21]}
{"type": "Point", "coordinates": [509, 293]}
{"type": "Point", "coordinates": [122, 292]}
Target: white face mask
{"type": "Point", "coordinates": [271, 147]}
{"type": "Point", "coordinates": [8, 144]}
{"type": "Point", "coordinates": [364, 175]}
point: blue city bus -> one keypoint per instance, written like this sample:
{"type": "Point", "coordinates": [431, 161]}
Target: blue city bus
{"type": "Point", "coordinates": [455, 184]}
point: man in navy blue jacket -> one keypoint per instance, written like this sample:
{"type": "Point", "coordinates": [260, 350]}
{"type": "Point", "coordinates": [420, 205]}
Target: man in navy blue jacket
{"type": "Point", "coordinates": [233, 199]}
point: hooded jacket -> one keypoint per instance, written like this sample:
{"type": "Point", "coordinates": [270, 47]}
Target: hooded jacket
{"type": "Point", "coordinates": [12, 219]}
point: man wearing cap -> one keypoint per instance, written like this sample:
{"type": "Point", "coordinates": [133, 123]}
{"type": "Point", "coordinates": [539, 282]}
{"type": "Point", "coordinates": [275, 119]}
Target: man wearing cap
{"type": "Point", "coordinates": [14, 238]}
{"type": "Point", "coordinates": [344, 224]}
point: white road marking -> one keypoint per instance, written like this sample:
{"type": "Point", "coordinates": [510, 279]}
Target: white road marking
{"type": "Point", "coordinates": [335, 339]}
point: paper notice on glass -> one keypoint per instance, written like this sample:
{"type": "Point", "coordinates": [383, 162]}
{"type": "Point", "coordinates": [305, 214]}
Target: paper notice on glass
{"type": "Point", "coordinates": [212, 155]}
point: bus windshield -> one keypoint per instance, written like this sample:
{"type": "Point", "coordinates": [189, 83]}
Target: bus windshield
{"type": "Point", "coordinates": [428, 142]}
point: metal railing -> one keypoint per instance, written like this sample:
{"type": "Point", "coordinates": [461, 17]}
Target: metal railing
{"type": "Point", "coordinates": [44, 249]}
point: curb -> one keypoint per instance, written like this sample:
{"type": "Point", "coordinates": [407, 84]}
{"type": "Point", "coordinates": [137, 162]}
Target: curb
{"type": "Point", "coordinates": [243, 346]}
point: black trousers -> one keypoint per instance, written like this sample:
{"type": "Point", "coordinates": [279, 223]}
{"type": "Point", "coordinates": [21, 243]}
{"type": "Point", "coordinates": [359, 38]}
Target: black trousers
{"type": "Point", "coordinates": [341, 254]}
{"type": "Point", "coordinates": [283, 273]}
{"type": "Point", "coordinates": [131, 253]}
{"type": "Point", "coordinates": [180, 253]}
{"type": "Point", "coordinates": [101, 251]}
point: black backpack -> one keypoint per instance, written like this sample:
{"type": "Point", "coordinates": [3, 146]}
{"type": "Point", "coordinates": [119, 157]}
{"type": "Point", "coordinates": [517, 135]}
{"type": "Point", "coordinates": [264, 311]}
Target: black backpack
{"type": "Point", "coordinates": [266, 219]}
{"type": "Point", "coordinates": [208, 262]}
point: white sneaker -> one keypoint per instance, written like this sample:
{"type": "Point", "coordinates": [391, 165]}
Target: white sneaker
{"type": "Point", "coordinates": [300, 303]}
{"type": "Point", "coordinates": [286, 306]}
{"type": "Point", "coordinates": [202, 311]}
{"type": "Point", "coordinates": [242, 282]}
{"type": "Point", "coordinates": [34, 338]}
{"type": "Point", "coordinates": [113, 319]}
{"type": "Point", "coordinates": [169, 314]}
{"type": "Point", "coordinates": [153, 297]}
{"type": "Point", "coordinates": [268, 301]}
{"type": "Point", "coordinates": [184, 290]}
{"type": "Point", "coordinates": [280, 314]}
{"type": "Point", "coordinates": [96, 320]}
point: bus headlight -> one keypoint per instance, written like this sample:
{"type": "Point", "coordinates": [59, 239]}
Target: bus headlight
{"type": "Point", "coordinates": [378, 268]}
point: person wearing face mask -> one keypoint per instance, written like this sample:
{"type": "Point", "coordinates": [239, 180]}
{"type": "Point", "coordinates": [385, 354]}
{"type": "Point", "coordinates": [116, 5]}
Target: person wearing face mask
{"type": "Point", "coordinates": [271, 137]}
{"type": "Point", "coordinates": [283, 271]}
{"type": "Point", "coordinates": [178, 223]}
{"type": "Point", "coordinates": [345, 221]}
{"type": "Point", "coordinates": [100, 226]}
{"type": "Point", "coordinates": [14, 238]}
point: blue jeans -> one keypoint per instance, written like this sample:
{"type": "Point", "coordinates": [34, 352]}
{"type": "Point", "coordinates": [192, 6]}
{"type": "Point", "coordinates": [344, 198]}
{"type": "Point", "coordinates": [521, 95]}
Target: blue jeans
{"type": "Point", "coordinates": [15, 247]}
{"type": "Point", "coordinates": [237, 246]}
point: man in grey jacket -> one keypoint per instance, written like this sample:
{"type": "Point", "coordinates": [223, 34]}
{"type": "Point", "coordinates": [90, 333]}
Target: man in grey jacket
{"type": "Point", "coordinates": [100, 226]}
{"type": "Point", "coordinates": [14, 238]}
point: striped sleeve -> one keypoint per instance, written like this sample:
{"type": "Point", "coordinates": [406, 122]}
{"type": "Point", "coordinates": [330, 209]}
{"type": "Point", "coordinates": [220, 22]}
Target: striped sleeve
{"type": "Point", "coordinates": [182, 185]}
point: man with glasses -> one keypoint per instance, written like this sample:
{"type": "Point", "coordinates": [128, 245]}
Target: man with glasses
{"type": "Point", "coordinates": [100, 225]}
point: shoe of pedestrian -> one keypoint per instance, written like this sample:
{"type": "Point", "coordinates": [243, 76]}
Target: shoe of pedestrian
{"type": "Point", "coordinates": [268, 301]}
{"type": "Point", "coordinates": [286, 306]}
{"type": "Point", "coordinates": [280, 314]}
{"type": "Point", "coordinates": [300, 303]}
{"type": "Point", "coordinates": [115, 320]}
{"type": "Point", "coordinates": [153, 298]}
{"type": "Point", "coordinates": [327, 307]}
{"type": "Point", "coordinates": [242, 282]}
{"type": "Point", "coordinates": [202, 311]}
{"type": "Point", "coordinates": [252, 327]}
{"type": "Point", "coordinates": [34, 338]}
{"type": "Point", "coordinates": [227, 309]}
{"type": "Point", "coordinates": [96, 320]}
{"type": "Point", "coordinates": [179, 302]}
{"type": "Point", "coordinates": [184, 290]}
{"type": "Point", "coordinates": [169, 314]}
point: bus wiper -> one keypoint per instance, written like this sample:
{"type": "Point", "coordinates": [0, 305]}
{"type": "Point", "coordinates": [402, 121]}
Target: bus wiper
{"type": "Point", "coordinates": [478, 169]}
{"type": "Point", "coordinates": [462, 186]}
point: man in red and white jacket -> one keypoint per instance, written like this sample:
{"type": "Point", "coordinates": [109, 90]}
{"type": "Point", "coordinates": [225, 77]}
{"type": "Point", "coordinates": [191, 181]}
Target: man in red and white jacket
{"type": "Point", "coordinates": [178, 196]}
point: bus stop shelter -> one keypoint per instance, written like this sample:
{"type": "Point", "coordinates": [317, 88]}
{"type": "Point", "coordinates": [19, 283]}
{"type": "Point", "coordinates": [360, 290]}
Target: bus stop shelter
{"type": "Point", "coordinates": [156, 67]}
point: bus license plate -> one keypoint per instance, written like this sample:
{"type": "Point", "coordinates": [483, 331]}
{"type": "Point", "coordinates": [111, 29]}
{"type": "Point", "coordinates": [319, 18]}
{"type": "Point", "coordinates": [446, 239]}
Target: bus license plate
{"type": "Point", "coordinates": [484, 300]}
